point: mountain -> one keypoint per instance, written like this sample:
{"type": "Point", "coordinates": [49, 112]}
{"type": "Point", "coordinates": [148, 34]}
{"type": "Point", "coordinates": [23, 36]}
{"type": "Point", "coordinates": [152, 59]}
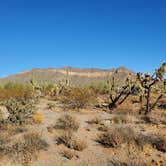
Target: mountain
{"type": "Point", "coordinates": [76, 75]}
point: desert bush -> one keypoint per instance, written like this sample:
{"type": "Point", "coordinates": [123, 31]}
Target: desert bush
{"type": "Point", "coordinates": [70, 141]}
{"type": "Point", "coordinates": [99, 87]}
{"type": "Point", "coordinates": [156, 142]}
{"type": "Point", "coordinates": [67, 122]}
{"type": "Point", "coordinates": [65, 138]}
{"type": "Point", "coordinates": [38, 118]}
{"type": "Point", "coordinates": [95, 120]}
{"type": "Point", "coordinates": [26, 150]}
{"type": "Point", "coordinates": [122, 119]}
{"type": "Point", "coordinates": [78, 144]}
{"type": "Point", "coordinates": [68, 154]}
{"type": "Point", "coordinates": [14, 90]}
{"type": "Point", "coordinates": [20, 111]}
{"type": "Point", "coordinates": [131, 162]}
{"type": "Point", "coordinates": [51, 106]}
{"type": "Point", "coordinates": [77, 98]}
{"type": "Point", "coordinates": [115, 137]}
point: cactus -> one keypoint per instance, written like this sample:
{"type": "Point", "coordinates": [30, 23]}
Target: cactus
{"type": "Point", "coordinates": [37, 88]}
{"type": "Point", "coordinates": [147, 82]}
{"type": "Point", "coordinates": [20, 111]}
{"type": "Point", "coordinates": [63, 84]}
{"type": "Point", "coordinates": [116, 94]}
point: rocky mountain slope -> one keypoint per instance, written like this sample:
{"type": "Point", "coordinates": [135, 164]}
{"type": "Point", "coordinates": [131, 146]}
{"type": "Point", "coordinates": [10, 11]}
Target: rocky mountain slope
{"type": "Point", "coordinates": [76, 75]}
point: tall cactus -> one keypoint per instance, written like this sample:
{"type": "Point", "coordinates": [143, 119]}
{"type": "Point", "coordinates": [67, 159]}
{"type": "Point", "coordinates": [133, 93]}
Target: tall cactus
{"type": "Point", "coordinates": [116, 95]}
{"type": "Point", "coordinates": [146, 84]}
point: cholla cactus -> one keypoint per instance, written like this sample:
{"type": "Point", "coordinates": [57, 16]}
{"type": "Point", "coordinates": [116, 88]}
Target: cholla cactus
{"type": "Point", "coordinates": [37, 88]}
{"type": "Point", "coordinates": [20, 111]}
{"type": "Point", "coordinates": [63, 84]}
{"type": "Point", "coordinates": [147, 82]}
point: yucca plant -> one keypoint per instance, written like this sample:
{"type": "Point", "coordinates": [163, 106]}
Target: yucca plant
{"type": "Point", "coordinates": [146, 84]}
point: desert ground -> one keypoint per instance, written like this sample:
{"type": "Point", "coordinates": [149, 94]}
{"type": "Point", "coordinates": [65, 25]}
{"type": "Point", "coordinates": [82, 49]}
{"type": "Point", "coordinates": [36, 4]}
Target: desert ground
{"type": "Point", "coordinates": [93, 122]}
{"type": "Point", "coordinates": [108, 123]}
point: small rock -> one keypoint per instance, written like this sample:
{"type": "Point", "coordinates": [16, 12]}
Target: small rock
{"type": "Point", "coordinates": [4, 114]}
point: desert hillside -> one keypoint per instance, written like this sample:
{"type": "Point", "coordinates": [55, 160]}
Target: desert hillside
{"type": "Point", "coordinates": [76, 75]}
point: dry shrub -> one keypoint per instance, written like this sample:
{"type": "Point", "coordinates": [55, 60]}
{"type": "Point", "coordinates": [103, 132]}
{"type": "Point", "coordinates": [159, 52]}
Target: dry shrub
{"type": "Point", "coordinates": [115, 137]}
{"type": "Point", "coordinates": [68, 154]}
{"type": "Point", "coordinates": [38, 119]}
{"type": "Point", "coordinates": [155, 117]}
{"type": "Point", "coordinates": [14, 90]}
{"type": "Point", "coordinates": [51, 106]}
{"type": "Point", "coordinates": [78, 144]}
{"type": "Point", "coordinates": [122, 118]}
{"type": "Point", "coordinates": [11, 130]}
{"type": "Point", "coordinates": [65, 138]}
{"type": "Point", "coordinates": [131, 162]}
{"type": "Point", "coordinates": [95, 120]}
{"type": "Point", "coordinates": [157, 142]}
{"type": "Point", "coordinates": [24, 150]}
{"type": "Point", "coordinates": [77, 98]}
{"type": "Point", "coordinates": [67, 122]}
{"type": "Point", "coordinates": [70, 141]}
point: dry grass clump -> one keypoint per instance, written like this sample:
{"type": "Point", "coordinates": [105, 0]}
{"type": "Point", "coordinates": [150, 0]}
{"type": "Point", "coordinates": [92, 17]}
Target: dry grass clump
{"type": "Point", "coordinates": [116, 136]}
{"type": "Point", "coordinates": [67, 122]}
{"type": "Point", "coordinates": [79, 145]}
{"type": "Point", "coordinates": [95, 120]}
{"type": "Point", "coordinates": [51, 106]}
{"type": "Point", "coordinates": [65, 138]}
{"type": "Point", "coordinates": [11, 130]}
{"type": "Point", "coordinates": [68, 154]}
{"type": "Point", "coordinates": [155, 117]}
{"type": "Point", "coordinates": [77, 98]}
{"type": "Point", "coordinates": [25, 150]}
{"type": "Point", "coordinates": [122, 118]}
{"type": "Point", "coordinates": [38, 119]}
{"type": "Point", "coordinates": [131, 162]}
{"type": "Point", "coordinates": [156, 142]}
{"type": "Point", "coordinates": [70, 141]}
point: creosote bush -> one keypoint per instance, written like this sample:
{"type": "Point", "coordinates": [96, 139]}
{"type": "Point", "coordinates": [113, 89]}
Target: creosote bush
{"type": "Point", "coordinates": [70, 141]}
{"type": "Point", "coordinates": [25, 149]}
{"type": "Point", "coordinates": [67, 122]}
{"type": "Point", "coordinates": [115, 137]}
{"type": "Point", "coordinates": [77, 98]}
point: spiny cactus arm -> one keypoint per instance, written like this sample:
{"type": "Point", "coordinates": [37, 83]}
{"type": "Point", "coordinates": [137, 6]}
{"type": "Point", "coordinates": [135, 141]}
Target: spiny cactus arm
{"type": "Point", "coordinates": [161, 71]}
{"type": "Point", "coordinates": [155, 103]}
{"type": "Point", "coordinates": [127, 95]}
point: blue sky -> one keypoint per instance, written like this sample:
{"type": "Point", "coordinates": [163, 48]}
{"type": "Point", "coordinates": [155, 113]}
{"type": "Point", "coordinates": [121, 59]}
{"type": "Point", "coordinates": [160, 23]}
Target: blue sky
{"type": "Point", "coordinates": [82, 33]}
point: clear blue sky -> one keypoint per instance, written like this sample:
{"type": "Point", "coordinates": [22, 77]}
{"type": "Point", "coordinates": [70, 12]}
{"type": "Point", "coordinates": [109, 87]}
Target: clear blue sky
{"type": "Point", "coordinates": [82, 33]}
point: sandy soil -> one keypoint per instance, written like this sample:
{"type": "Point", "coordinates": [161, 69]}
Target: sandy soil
{"type": "Point", "coordinates": [94, 154]}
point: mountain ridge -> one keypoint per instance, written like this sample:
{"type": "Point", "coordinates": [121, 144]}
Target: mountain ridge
{"type": "Point", "coordinates": [77, 75]}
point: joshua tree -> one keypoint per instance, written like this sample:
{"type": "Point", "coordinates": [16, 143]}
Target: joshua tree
{"type": "Point", "coordinates": [118, 96]}
{"type": "Point", "coordinates": [147, 82]}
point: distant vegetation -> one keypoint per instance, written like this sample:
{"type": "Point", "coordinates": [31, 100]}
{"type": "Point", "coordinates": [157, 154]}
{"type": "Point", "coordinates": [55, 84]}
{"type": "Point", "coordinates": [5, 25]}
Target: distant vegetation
{"type": "Point", "coordinates": [112, 94]}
